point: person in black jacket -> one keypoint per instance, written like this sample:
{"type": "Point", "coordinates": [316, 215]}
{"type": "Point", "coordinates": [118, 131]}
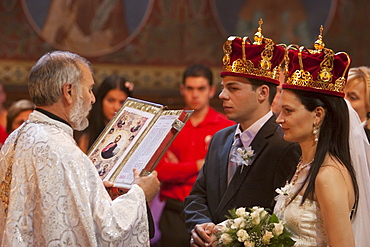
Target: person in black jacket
{"type": "Point", "coordinates": [249, 80]}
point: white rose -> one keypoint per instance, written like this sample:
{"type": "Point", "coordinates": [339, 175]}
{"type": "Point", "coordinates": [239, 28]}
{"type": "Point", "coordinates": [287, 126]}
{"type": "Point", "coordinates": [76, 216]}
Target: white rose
{"type": "Point", "coordinates": [255, 218]}
{"type": "Point", "coordinates": [240, 212]}
{"type": "Point", "coordinates": [255, 208]}
{"type": "Point", "coordinates": [248, 244]}
{"type": "Point", "coordinates": [242, 235]}
{"type": "Point", "coordinates": [225, 239]}
{"type": "Point", "coordinates": [263, 214]}
{"type": "Point", "coordinates": [239, 223]}
{"type": "Point", "coordinates": [221, 227]}
{"type": "Point", "coordinates": [259, 209]}
{"type": "Point", "coordinates": [278, 229]}
{"type": "Point", "coordinates": [228, 223]}
{"type": "Point", "coordinates": [266, 237]}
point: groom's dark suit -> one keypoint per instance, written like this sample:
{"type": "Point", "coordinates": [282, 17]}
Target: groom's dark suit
{"type": "Point", "coordinates": [273, 163]}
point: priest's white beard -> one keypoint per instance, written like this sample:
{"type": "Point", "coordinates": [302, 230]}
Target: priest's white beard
{"type": "Point", "coordinates": [78, 115]}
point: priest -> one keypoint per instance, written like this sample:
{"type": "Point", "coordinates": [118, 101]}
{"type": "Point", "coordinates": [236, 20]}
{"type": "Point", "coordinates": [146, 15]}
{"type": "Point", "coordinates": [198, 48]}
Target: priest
{"type": "Point", "coordinates": [51, 193]}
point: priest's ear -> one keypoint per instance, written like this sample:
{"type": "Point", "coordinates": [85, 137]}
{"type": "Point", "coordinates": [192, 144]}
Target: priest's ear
{"type": "Point", "coordinates": [67, 92]}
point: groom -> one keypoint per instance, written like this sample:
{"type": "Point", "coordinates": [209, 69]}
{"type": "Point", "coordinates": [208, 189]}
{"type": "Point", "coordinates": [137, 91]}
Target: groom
{"type": "Point", "coordinates": [250, 77]}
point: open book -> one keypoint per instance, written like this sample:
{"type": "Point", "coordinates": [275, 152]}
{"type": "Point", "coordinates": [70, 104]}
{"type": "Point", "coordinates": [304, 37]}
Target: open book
{"type": "Point", "coordinates": [137, 137]}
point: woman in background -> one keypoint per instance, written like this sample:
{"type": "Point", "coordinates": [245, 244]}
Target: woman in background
{"type": "Point", "coordinates": [18, 113]}
{"type": "Point", "coordinates": [110, 96]}
{"type": "Point", "coordinates": [357, 92]}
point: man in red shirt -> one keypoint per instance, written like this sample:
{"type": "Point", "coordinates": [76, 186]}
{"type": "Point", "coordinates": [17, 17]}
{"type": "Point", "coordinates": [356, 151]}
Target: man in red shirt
{"type": "Point", "coordinates": [3, 135]}
{"type": "Point", "coordinates": [179, 169]}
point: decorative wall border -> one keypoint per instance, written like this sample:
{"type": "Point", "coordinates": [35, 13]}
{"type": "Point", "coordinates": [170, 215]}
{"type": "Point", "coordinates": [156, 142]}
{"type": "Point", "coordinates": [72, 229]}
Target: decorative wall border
{"type": "Point", "coordinates": [145, 78]}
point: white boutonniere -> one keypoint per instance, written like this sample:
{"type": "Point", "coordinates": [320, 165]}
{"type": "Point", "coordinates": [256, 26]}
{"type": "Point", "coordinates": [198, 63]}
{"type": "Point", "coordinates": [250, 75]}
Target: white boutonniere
{"type": "Point", "coordinates": [246, 156]}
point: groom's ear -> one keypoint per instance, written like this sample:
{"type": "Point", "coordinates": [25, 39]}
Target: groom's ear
{"type": "Point", "coordinates": [263, 93]}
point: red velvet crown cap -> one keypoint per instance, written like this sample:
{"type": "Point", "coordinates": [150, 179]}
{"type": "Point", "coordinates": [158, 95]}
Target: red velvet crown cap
{"type": "Point", "coordinates": [321, 72]}
{"type": "Point", "coordinates": [260, 61]}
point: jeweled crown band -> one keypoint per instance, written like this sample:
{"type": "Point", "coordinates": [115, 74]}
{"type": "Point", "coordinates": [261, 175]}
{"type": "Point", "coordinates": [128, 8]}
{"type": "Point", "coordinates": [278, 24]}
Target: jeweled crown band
{"type": "Point", "coordinates": [303, 80]}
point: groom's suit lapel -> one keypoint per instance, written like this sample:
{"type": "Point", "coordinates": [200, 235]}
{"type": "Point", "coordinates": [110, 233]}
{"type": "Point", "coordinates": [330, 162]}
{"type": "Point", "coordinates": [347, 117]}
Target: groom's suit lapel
{"type": "Point", "coordinates": [258, 144]}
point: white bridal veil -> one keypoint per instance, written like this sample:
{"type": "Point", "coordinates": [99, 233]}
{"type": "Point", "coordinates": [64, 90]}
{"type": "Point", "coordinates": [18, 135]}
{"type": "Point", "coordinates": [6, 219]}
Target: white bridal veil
{"type": "Point", "coordinates": [360, 156]}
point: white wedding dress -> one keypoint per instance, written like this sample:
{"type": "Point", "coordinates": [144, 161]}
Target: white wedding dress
{"type": "Point", "coordinates": [304, 221]}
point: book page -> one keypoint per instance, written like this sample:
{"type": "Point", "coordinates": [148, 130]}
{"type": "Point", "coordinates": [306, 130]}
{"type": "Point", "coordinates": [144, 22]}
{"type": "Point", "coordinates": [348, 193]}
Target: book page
{"type": "Point", "coordinates": [118, 141]}
{"type": "Point", "coordinates": [145, 150]}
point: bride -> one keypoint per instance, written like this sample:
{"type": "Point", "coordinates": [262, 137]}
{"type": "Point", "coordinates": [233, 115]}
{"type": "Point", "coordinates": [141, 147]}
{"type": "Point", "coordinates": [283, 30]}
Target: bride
{"type": "Point", "coordinates": [325, 202]}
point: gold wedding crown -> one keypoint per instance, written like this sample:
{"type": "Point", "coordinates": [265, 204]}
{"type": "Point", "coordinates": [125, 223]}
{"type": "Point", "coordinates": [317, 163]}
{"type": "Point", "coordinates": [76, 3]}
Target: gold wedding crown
{"type": "Point", "coordinates": [318, 70]}
{"type": "Point", "coordinates": [258, 60]}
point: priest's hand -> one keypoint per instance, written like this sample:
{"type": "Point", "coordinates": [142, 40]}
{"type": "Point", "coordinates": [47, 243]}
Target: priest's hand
{"type": "Point", "coordinates": [108, 184]}
{"type": "Point", "coordinates": [148, 183]}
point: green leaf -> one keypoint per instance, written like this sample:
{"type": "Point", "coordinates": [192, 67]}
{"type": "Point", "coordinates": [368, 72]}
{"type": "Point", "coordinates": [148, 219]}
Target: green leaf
{"type": "Point", "coordinates": [232, 213]}
{"type": "Point", "coordinates": [274, 219]}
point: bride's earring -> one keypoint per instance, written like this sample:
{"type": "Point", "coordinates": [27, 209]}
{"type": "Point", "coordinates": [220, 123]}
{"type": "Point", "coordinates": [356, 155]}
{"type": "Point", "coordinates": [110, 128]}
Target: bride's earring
{"type": "Point", "coordinates": [316, 131]}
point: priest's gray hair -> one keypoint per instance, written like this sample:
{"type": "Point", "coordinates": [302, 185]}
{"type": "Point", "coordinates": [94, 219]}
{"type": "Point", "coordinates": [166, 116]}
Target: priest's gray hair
{"type": "Point", "coordinates": [51, 72]}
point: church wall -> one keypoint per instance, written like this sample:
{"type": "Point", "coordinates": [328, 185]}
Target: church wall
{"type": "Point", "coordinates": [157, 45]}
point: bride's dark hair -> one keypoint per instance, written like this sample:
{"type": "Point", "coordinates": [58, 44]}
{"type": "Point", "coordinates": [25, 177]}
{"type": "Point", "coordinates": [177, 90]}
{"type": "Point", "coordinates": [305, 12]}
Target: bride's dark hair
{"type": "Point", "coordinates": [333, 137]}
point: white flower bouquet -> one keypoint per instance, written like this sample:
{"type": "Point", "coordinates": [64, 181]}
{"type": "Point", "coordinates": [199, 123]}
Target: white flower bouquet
{"type": "Point", "coordinates": [256, 228]}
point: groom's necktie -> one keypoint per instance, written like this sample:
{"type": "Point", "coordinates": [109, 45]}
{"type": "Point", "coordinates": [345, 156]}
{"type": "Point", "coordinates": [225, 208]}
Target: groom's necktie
{"type": "Point", "coordinates": [232, 158]}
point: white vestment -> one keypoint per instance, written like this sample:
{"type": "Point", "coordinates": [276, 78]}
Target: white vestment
{"type": "Point", "coordinates": [57, 197]}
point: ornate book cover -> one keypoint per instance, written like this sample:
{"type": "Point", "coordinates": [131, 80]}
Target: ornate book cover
{"type": "Point", "coordinates": [137, 137]}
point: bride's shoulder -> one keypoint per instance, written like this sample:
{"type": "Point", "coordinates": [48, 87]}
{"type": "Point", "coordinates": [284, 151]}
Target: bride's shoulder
{"type": "Point", "coordinates": [331, 164]}
{"type": "Point", "coordinates": [331, 171]}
